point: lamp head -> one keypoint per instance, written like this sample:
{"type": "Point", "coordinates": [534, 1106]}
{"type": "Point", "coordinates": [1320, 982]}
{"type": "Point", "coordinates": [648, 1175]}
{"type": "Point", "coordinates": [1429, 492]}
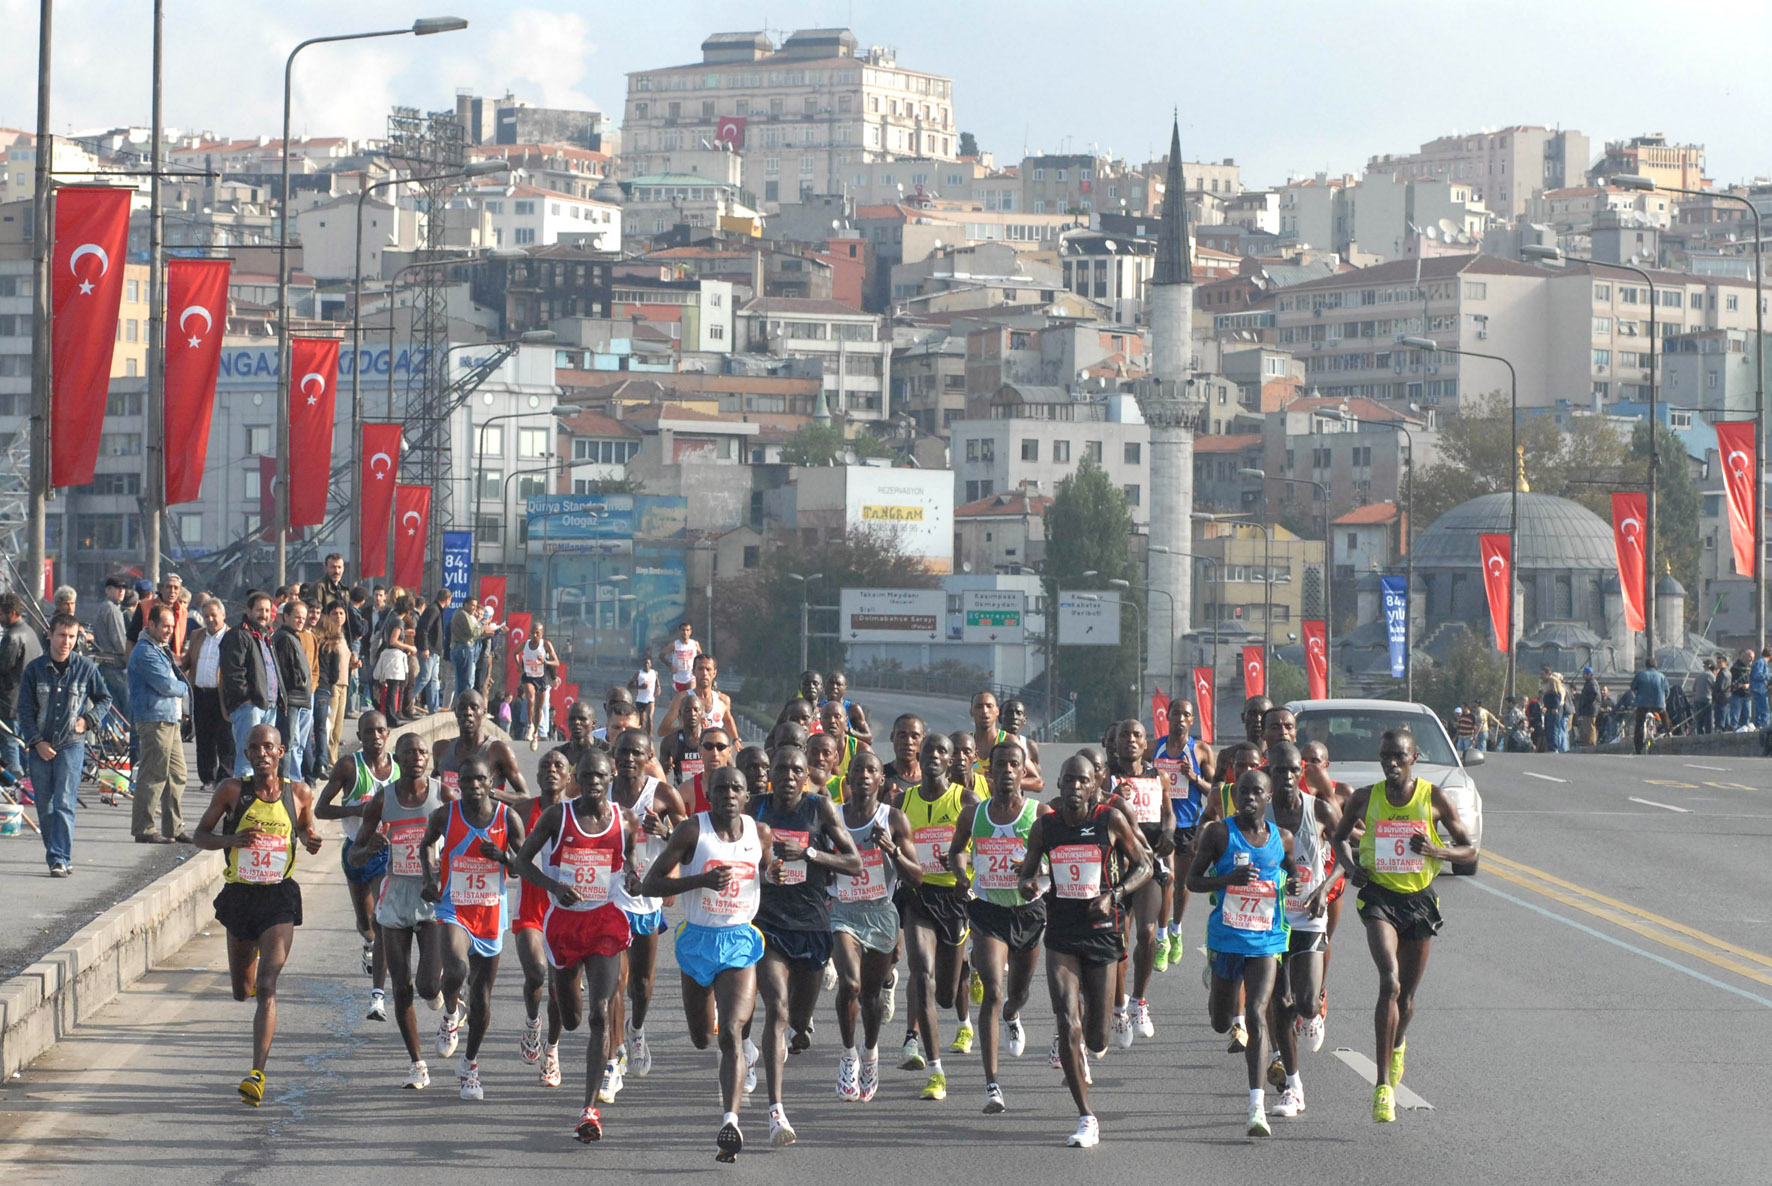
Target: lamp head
{"type": "Point", "coordinates": [426, 25]}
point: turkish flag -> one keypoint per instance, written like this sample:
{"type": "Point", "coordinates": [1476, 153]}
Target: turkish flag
{"type": "Point", "coordinates": [1159, 713]}
{"type": "Point", "coordinates": [492, 596]}
{"type": "Point", "coordinates": [515, 637]}
{"type": "Point", "coordinates": [375, 502]}
{"type": "Point", "coordinates": [564, 696]}
{"type": "Point", "coordinates": [729, 131]}
{"type": "Point", "coordinates": [313, 384]}
{"type": "Point", "coordinates": [267, 497]}
{"type": "Point", "coordinates": [86, 290]}
{"type": "Point", "coordinates": [1204, 703]}
{"type": "Point", "coordinates": [1629, 512]}
{"type": "Point", "coordinates": [197, 313]}
{"type": "Point", "coordinates": [1498, 579]}
{"type": "Point", "coordinates": [412, 522]}
{"type": "Point", "coordinates": [1316, 658]}
{"type": "Point", "coordinates": [1740, 454]}
{"type": "Point", "coordinates": [1254, 672]}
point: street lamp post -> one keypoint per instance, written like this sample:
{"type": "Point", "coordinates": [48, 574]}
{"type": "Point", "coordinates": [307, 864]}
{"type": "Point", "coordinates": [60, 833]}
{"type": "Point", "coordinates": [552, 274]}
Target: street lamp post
{"type": "Point", "coordinates": [1633, 181]}
{"type": "Point", "coordinates": [1328, 577]}
{"type": "Point", "coordinates": [1149, 588]}
{"type": "Point", "coordinates": [1267, 588]}
{"type": "Point", "coordinates": [1538, 252]}
{"type": "Point", "coordinates": [1138, 618]}
{"type": "Point", "coordinates": [1409, 553]}
{"type": "Point", "coordinates": [419, 28]}
{"type": "Point", "coordinates": [805, 614]}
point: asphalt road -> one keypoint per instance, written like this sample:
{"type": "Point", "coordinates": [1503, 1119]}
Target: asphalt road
{"type": "Point", "coordinates": [1607, 1026]}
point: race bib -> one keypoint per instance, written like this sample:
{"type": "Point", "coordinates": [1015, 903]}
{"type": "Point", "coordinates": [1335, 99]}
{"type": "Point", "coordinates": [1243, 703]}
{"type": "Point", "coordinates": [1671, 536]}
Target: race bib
{"type": "Point", "coordinates": [1169, 770]}
{"type": "Point", "coordinates": [793, 872]}
{"type": "Point", "coordinates": [404, 840]}
{"type": "Point", "coordinates": [996, 861]}
{"type": "Point", "coordinates": [265, 860]}
{"type": "Point", "coordinates": [473, 881]}
{"type": "Point", "coordinates": [1303, 881]}
{"type": "Point", "coordinates": [730, 902]}
{"type": "Point", "coordinates": [1249, 907]}
{"type": "Point", "coordinates": [1145, 795]}
{"type": "Point", "coordinates": [692, 767]}
{"type": "Point", "coordinates": [870, 886]}
{"type": "Point", "coordinates": [1390, 846]}
{"type": "Point", "coordinates": [589, 871]}
{"type": "Point", "coordinates": [930, 842]}
{"type": "Point", "coordinates": [1076, 870]}
{"type": "Point", "coordinates": [645, 852]}
{"type": "Point", "coordinates": [451, 784]}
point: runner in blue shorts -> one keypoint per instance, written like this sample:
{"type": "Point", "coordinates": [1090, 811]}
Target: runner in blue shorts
{"type": "Point", "coordinates": [355, 781]}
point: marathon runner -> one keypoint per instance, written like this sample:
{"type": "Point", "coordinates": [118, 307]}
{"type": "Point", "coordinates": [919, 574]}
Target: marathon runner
{"type": "Point", "coordinates": [864, 922]}
{"type": "Point", "coordinates": [554, 782]}
{"type": "Point", "coordinates": [657, 811]}
{"type": "Point", "coordinates": [1084, 842]}
{"type": "Point", "coordinates": [1319, 782]}
{"type": "Point", "coordinates": [986, 856]}
{"type": "Point", "coordinates": [1277, 725]}
{"type": "Point", "coordinates": [966, 770]}
{"type": "Point", "coordinates": [393, 825]}
{"type": "Point", "coordinates": [581, 730]}
{"type": "Point", "coordinates": [824, 756]}
{"type": "Point", "coordinates": [680, 751]}
{"type": "Point", "coordinates": [1013, 720]}
{"type": "Point", "coordinates": [1254, 709]}
{"type": "Point", "coordinates": [681, 654]}
{"type": "Point", "coordinates": [802, 712]}
{"type": "Point", "coordinates": [904, 770]}
{"type": "Point", "coordinates": [716, 706]}
{"type": "Point", "coordinates": [753, 763]}
{"type": "Point", "coordinates": [985, 733]}
{"type": "Point", "coordinates": [580, 850]}
{"type": "Point", "coordinates": [713, 860]}
{"type": "Point", "coordinates": [1137, 784]}
{"type": "Point", "coordinates": [854, 716]}
{"type": "Point", "coordinates": [358, 778]}
{"type": "Point", "coordinates": [479, 837]}
{"type": "Point", "coordinates": [1399, 821]}
{"type": "Point", "coordinates": [1248, 866]}
{"type": "Point", "coordinates": [472, 740]}
{"type": "Point", "coordinates": [257, 821]}
{"type": "Point", "coordinates": [835, 725]}
{"type": "Point", "coordinates": [1238, 759]}
{"type": "Point", "coordinates": [1186, 766]}
{"type": "Point", "coordinates": [714, 749]}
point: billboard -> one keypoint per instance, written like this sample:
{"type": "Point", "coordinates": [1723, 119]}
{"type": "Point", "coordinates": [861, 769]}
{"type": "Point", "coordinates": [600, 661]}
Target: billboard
{"type": "Point", "coordinates": [892, 615]}
{"type": "Point", "coordinates": [580, 517]}
{"type": "Point", "coordinates": [992, 616]}
{"type": "Point", "coordinates": [1088, 619]}
{"type": "Point", "coordinates": [916, 505]}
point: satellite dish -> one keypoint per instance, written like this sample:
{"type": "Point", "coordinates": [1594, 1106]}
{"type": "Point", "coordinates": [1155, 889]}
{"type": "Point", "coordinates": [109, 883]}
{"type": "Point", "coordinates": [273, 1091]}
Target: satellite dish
{"type": "Point", "coordinates": [1109, 244]}
{"type": "Point", "coordinates": [1448, 228]}
{"type": "Point", "coordinates": [1429, 233]}
{"type": "Point", "coordinates": [1465, 239]}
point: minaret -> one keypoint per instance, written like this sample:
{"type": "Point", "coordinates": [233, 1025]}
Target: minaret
{"type": "Point", "coordinates": [1172, 411]}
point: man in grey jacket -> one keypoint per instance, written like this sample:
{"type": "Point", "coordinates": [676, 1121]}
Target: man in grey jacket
{"type": "Point", "coordinates": [157, 694]}
{"type": "Point", "coordinates": [62, 699]}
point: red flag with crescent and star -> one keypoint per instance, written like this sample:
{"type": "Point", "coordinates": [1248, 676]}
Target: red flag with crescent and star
{"type": "Point", "coordinates": [267, 496]}
{"type": "Point", "coordinates": [564, 696]}
{"type": "Point", "coordinates": [729, 132]}
{"type": "Point", "coordinates": [1498, 579]}
{"type": "Point", "coordinates": [492, 596]}
{"type": "Point", "coordinates": [515, 637]}
{"type": "Point", "coordinates": [86, 291]}
{"type": "Point", "coordinates": [313, 386]}
{"type": "Point", "coordinates": [375, 507]}
{"type": "Point", "coordinates": [1254, 672]}
{"type": "Point", "coordinates": [1629, 512]}
{"type": "Point", "coordinates": [1204, 703]}
{"type": "Point", "coordinates": [1740, 454]}
{"type": "Point", "coordinates": [412, 522]}
{"type": "Point", "coordinates": [1159, 712]}
{"type": "Point", "coordinates": [197, 313]}
{"type": "Point", "coordinates": [1316, 658]}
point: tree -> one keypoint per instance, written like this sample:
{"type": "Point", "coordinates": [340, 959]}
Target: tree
{"type": "Point", "coordinates": [1473, 673]}
{"type": "Point", "coordinates": [1089, 529]}
{"type": "Point", "coordinates": [968, 145]}
{"type": "Point", "coordinates": [1286, 682]}
{"type": "Point", "coordinates": [826, 444]}
{"type": "Point", "coordinates": [1678, 545]}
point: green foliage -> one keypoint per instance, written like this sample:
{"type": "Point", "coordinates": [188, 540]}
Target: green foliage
{"type": "Point", "coordinates": [1677, 505]}
{"type": "Point", "coordinates": [825, 444]}
{"type": "Point", "coordinates": [622, 485]}
{"type": "Point", "coordinates": [1474, 673]}
{"type": "Point", "coordinates": [968, 144]}
{"type": "Point", "coordinates": [1089, 527]}
{"type": "Point", "coordinates": [1285, 681]}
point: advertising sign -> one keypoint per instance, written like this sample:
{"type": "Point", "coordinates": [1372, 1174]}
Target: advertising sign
{"type": "Point", "coordinates": [915, 505]}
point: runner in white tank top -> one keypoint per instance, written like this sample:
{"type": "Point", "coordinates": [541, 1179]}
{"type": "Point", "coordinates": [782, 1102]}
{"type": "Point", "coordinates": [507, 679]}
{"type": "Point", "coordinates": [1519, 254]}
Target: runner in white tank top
{"type": "Point", "coordinates": [657, 810]}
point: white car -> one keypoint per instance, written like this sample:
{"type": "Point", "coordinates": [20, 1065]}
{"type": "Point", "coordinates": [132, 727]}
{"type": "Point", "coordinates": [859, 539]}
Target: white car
{"type": "Point", "coordinates": [1351, 729]}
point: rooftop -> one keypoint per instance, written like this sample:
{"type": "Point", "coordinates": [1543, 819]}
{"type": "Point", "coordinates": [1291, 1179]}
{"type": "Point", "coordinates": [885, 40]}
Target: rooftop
{"type": "Point", "coordinates": [1011, 504]}
{"type": "Point", "coordinates": [1371, 515]}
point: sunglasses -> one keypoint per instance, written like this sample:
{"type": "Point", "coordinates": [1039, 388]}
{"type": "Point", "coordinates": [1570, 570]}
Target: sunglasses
{"type": "Point", "coordinates": [716, 745]}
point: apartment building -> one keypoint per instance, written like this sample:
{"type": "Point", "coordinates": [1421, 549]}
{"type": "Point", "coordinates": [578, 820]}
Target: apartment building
{"type": "Point", "coordinates": [1503, 166]}
{"type": "Point", "coordinates": [854, 348]}
{"type": "Point", "coordinates": [529, 216]}
{"type": "Point", "coordinates": [1035, 437]}
{"type": "Point", "coordinates": [1677, 165]}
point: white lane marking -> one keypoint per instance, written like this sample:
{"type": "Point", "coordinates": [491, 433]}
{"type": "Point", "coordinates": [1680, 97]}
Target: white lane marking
{"type": "Point", "coordinates": [1696, 766]}
{"type": "Point", "coordinates": [1663, 806]}
{"type": "Point", "coordinates": [1637, 814]}
{"type": "Point", "coordinates": [1365, 1069]}
{"type": "Point", "coordinates": [1545, 777]}
{"type": "Point", "coordinates": [1630, 947]}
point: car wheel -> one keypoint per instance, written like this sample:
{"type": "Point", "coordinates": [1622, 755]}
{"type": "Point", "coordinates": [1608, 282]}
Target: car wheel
{"type": "Point", "coordinates": [1468, 869]}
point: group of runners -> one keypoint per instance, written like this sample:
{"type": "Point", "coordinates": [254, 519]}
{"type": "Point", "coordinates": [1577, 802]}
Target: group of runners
{"type": "Point", "coordinates": [809, 864]}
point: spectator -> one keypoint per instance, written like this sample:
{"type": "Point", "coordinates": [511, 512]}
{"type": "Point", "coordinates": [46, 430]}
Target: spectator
{"type": "Point", "coordinates": [645, 691]}
{"type": "Point", "coordinates": [1703, 716]}
{"type": "Point", "coordinates": [111, 641]}
{"type": "Point", "coordinates": [357, 630]}
{"type": "Point", "coordinates": [430, 651]}
{"type": "Point", "coordinates": [1607, 722]}
{"type": "Point", "coordinates": [250, 689]}
{"type": "Point", "coordinates": [483, 663]}
{"type": "Point", "coordinates": [18, 647]}
{"type": "Point", "coordinates": [1553, 696]}
{"type": "Point", "coordinates": [1516, 737]}
{"type": "Point", "coordinates": [1464, 728]}
{"type": "Point", "coordinates": [1740, 705]}
{"type": "Point", "coordinates": [331, 590]}
{"type": "Point", "coordinates": [409, 697]}
{"type": "Point", "coordinates": [1535, 722]}
{"type": "Point", "coordinates": [1719, 692]}
{"type": "Point", "coordinates": [295, 681]}
{"type": "Point", "coordinates": [1587, 707]}
{"type": "Point", "coordinates": [62, 697]}
{"type": "Point", "coordinates": [202, 665]}
{"type": "Point", "coordinates": [66, 599]}
{"type": "Point", "coordinates": [157, 694]}
{"type": "Point", "coordinates": [1648, 695]}
{"type": "Point", "coordinates": [171, 591]}
{"type": "Point", "coordinates": [332, 672]}
{"type": "Point", "coordinates": [465, 629]}
{"type": "Point", "coordinates": [1756, 686]}
{"type": "Point", "coordinates": [394, 659]}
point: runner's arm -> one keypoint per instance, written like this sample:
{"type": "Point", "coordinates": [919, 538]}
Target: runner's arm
{"type": "Point", "coordinates": [226, 795]}
{"type": "Point", "coordinates": [901, 848]}
{"type": "Point", "coordinates": [843, 857]}
{"type": "Point", "coordinates": [1461, 851]}
{"type": "Point", "coordinates": [659, 882]}
{"type": "Point", "coordinates": [342, 770]}
{"type": "Point", "coordinates": [1027, 877]}
{"type": "Point", "coordinates": [369, 836]}
{"type": "Point", "coordinates": [1131, 840]}
{"type": "Point", "coordinates": [1351, 821]}
{"type": "Point", "coordinates": [304, 820]}
{"type": "Point", "coordinates": [546, 828]}
{"type": "Point", "coordinates": [669, 722]}
{"type": "Point", "coordinates": [504, 761]}
{"type": "Point", "coordinates": [1207, 849]}
{"type": "Point", "coordinates": [427, 853]}
{"type": "Point", "coordinates": [960, 854]}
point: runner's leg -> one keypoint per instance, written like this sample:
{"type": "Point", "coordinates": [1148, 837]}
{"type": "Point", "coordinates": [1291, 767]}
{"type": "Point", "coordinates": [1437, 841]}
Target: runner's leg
{"type": "Point", "coordinates": [273, 950]}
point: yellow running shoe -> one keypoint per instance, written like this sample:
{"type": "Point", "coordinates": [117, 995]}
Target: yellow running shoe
{"type": "Point", "coordinates": [962, 1040]}
{"type": "Point", "coordinates": [1161, 963]}
{"type": "Point", "coordinates": [937, 1087]}
{"type": "Point", "coordinates": [976, 989]}
{"type": "Point", "coordinates": [1384, 1104]}
{"type": "Point", "coordinates": [1396, 1065]}
{"type": "Point", "coordinates": [252, 1089]}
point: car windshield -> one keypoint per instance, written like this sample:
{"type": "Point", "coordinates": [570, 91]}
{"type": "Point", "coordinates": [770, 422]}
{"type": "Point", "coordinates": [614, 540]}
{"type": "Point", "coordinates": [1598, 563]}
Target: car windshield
{"type": "Point", "coordinates": [1352, 733]}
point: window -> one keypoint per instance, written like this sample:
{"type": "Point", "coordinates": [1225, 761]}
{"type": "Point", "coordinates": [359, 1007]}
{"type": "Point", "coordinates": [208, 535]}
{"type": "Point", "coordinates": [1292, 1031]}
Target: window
{"type": "Point", "coordinates": [524, 234]}
{"type": "Point", "coordinates": [190, 529]}
{"type": "Point", "coordinates": [1603, 325]}
{"type": "Point", "coordinates": [531, 485]}
{"type": "Point", "coordinates": [1092, 450]}
{"type": "Point", "coordinates": [1061, 452]}
{"type": "Point", "coordinates": [260, 441]}
{"type": "Point", "coordinates": [120, 444]}
{"type": "Point", "coordinates": [110, 532]}
{"type": "Point", "coordinates": [1732, 304]}
{"type": "Point", "coordinates": [1039, 174]}
{"type": "Point", "coordinates": [532, 442]}
{"type": "Point", "coordinates": [123, 403]}
{"type": "Point", "coordinates": [126, 484]}
{"type": "Point", "coordinates": [1602, 358]}
{"type": "Point", "coordinates": [490, 440]}
{"type": "Point", "coordinates": [1602, 292]}
{"type": "Point", "coordinates": [132, 291]}
{"type": "Point", "coordinates": [492, 483]}
{"type": "Point", "coordinates": [488, 529]}
{"type": "Point", "coordinates": [1353, 541]}
{"type": "Point", "coordinates": [1131, 494]}
{"type": "Point", "coordinates": [523, 207]}
{"type": "Point", "coordinates": [131, 329]}
{"type": "Point", "coordinates": [1030, 450]}
{"type": "Point", "coordinates": [1134, 451]}
{"type": "Point", "coordinates": [1475, 290]}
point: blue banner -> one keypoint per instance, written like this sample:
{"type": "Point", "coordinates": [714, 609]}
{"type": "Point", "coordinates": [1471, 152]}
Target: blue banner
{"type": "Point", "coordinates": [458, 566]}
{"type": "Point", "coordinates": [1396, 618]}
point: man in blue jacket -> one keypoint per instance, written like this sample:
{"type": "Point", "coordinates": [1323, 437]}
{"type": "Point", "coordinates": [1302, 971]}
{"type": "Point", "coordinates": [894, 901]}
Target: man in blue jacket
{"type": "Point", "coordinates": [157, 695]}
{"type": "Point", "coordinates": [62, 698]}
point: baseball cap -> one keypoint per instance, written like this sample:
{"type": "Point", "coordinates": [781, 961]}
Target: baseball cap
{"type": "Point", "coordinates": [1587, 671]}
{"type": "Point", "coordinates": [144, 586]}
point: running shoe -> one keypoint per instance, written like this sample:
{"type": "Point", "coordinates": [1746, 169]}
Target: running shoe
{"type": "Point", "coordinates": [252, 1089]}
{"type": "Point", "coordinates": [1313, 1033]}
{"type": "Point", "coordinates": [369, 959]}
{"type": "Point", "coordinates": [889, 997]}
{"type": "Point", "coordinates": [1122, 1028]}
{"type": "Point", "coordinates": [869, 1078]}
{"type": "Point", "coordinates": [642, 1062]}
{"type": "Point", "coordinates": [730, 1142]}
{"type": "Point", "coordinates": [590, 1126]}
{"type": "Point", "coordinates": [751, 1054]}
{"type": "Point", "coordinates": [801, 1042]}
{"type": "Point", "coordinates": [993, 1099]}
{"type": "Point", "coordinates": [1396, 1075]}
{"type": "Point", "coordinates": [848, 1090]}
{"type": "Point", "coordinates": [378, 1008]}
{"type": "Point", "coordinates": [1384, 1103]}
{"type": "Point", "coordinates": [434, 1002]}
{"type": "Point", "coordinates": [529, 1045]}
{"type": "Point", "coordinates": [962, 1043]}
{"type": "Point", "coordinates": [1015, 1037]}
{"type": "Point", "coordinates": [1176, 950]}
{"type": "Point", "coordinates": [550, 1068]}
{"type": "Point", "coordinates": [1161, 963]}
{"type": "Point", "coordinates": [937, 1087]}
{"type": "Point", "coordinates": [611, 1084]}
{"type": "Point", "coordinates": [913, 1055]}
{"type": "Point", "coordinates": [470, 1082]}
{"type": "Point", "coordinates": [534, 741]}
{"type": "Point", "coordinates": [1052, 1057]}
{"type": "Point", "coordinates": [419, 1077]}
{"type": "Point", "coordinates": [780, 1131]}
{"type": "Point", "coordinates": [1141, 1019]}
{"type": "Point", "coordinates": [1239, 1040]}
{"type": "Point", "coordinates": [975, 990]}
{"type": "Point", "coordinates": [447, 1030]}
{"type": "Point", "coordinates": [1088, 1134]}
{"type": "Point", "coordinates": [1276, 1072]}
{"type": "Point", "coordinates": [1257, 1122]}
{"type": "Point", "coordinates": [830, 975]}
{"type": "Point", "coordinates": [1291, 1102]}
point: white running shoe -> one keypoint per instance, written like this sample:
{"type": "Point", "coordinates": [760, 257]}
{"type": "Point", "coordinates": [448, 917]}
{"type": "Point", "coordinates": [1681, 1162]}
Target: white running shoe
{"type": "Point", "coordinates": [611, 1084]}
{"type": "Point", "coordinates": [550, 1068]}
{"type": "Point", "coordinates": [889, 997]}
{"type": "Point", "coordinates": [751, 1054]}
{"type": "Point", "coordinates": [993, 1100]}
{"type": "Point", "coordinates": [419, 1077]}
{"type": "Point", "coordinates": [848, 1089]}
{"type": "Point", "coordinates": [369, 959]}
{"type": "Point", "coordinates": [529, 1045]}
{"type": "Point", "coordinates": [912, 1059]}
{"type": "Point", "coordinates": [1291, 1102]}
{"type": "Point", "coordinates": [780, 1131]}
{"type": "Point", "coordinates": [1015, 1037]}
{"type": "Point", "coordinates": [1088, 1134]}
{"type": "Point", "coordinates": [1123, 1028]}
{"type": "Point", "coordinates": [870, 1078]}
{"type": "Point", "coordinates": [434, 1002]}
{"type": "Point", "coordinates": [470, 1082]}
{"type": "Point", "coordinates": [830, 975]}
{"type": "Point", "coordinates": [1053, 1058]}
{"type": "Point", "coordinates": [642, 1060]}
{"type": "Point", "coordinates": [1258, 1122]}
{"type": "Point", "coordinates": [378, 1008]}
{"type": "Point", "coordinates": [1141, 1020]}
{"type": "Point", "coordinates": [447, 1032]}
{"type": "Point", "coordinates": [1313, 1032]}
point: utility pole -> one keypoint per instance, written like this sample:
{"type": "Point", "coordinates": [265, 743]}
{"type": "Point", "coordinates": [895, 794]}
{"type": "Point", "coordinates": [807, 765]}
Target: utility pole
{"type": "Point", "coordinates": [42, 234]}
{"type": "Point", "coordinates": [154, 488]}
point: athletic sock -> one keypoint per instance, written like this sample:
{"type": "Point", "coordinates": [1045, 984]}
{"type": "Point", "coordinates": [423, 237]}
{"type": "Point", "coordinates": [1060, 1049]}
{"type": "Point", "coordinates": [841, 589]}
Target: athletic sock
{"type": "Point", "coordinates": [1294, 1083]}
{"type": "Point", "coordinates": [1237, 1022]}
{"type": "Point", "coordinates": [377, 993]}
{"type": "Point", "coordinates": [872, 1054]}
{"type": "Point", "coordinates": [554, 1048]}
{"type": "Point", "coordinates": [849, 1052]}
{"type": "Point", "coordinates": [935, 1067]}
{"type": "Point", "coordinates": [1256, 1095]}
{"type": "Point", "coordinates": [731, 1118]}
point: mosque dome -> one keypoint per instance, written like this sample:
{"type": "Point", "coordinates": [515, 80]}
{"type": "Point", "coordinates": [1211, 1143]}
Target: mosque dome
{"type": "Point", "coordinates": [1554, 533]}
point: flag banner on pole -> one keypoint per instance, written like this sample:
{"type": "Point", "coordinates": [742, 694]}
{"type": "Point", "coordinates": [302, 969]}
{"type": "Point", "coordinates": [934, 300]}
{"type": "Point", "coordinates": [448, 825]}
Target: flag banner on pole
{"type": "Point", "coordinates": [1396, 621]}
{"type": "Point", "coordinates": [196, 315]}
{"type": "Point", "coordinates": [515, 637]}
{"type": "Point", "coordinates": [86, 292]}
{"type": "Point", "coordinates": [1159, 713]}
{"type": "Point", "coordinates": [412, 520]}
{"type": "Point", "coordinates": [1254, 672]}
{"type": "Point", "coordinates": [1736, 446]}
{"type": "Point", "coordinates": [564, 696]}
{"type": "Point", "coordinates": [492, 596]}
{"type": "Point", "coordinates": [375, 502]}
{"type": "Point", "coordinates": [1316, 658]}
{"type": "Point", "coordinates": [458, 569]}
{"type": "Point", "coordinates": [1498, 579]}
{"type": "Point", "coordinates": [267, 497]}
{"type": "Point", "coordinates": [313, 384]}
{"type": "Point", "coordinates": [1204, 703]}
{"type": "Point", "coordinates": [1629, 512]}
